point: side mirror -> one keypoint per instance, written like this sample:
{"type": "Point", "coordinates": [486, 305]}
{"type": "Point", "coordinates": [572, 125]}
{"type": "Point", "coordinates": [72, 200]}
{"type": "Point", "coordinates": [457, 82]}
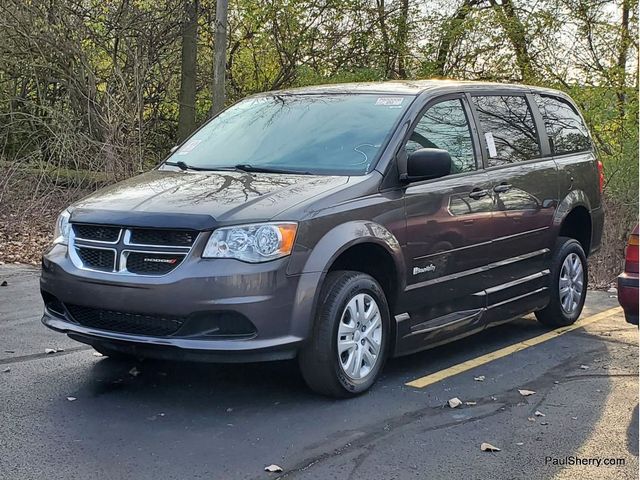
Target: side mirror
{"type": "Point", "coordinates": [428, 163]}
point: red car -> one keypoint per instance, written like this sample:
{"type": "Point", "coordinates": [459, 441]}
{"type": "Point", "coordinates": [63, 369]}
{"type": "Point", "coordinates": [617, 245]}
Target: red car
{"type": "Point", "coordinates": [628, 281]}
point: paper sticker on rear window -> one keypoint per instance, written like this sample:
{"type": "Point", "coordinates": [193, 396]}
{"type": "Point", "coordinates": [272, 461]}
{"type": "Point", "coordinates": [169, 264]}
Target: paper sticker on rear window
{"type": "Point", "coordinates": [190, 145]}
{"type": "Point", "coordinates": [389, 101]}
{"type": "Point", "coordinates": [491, 145]}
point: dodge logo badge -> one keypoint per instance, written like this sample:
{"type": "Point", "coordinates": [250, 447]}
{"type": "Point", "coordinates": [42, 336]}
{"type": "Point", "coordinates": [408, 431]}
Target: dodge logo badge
{"type": "Point", "coordinates": [170, 261]}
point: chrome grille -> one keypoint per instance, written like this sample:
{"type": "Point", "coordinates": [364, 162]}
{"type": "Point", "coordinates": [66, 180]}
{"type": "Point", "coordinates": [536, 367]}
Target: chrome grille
{"type": "Point", "coordinates": [129, 251]}
{"type": "Point", "coordinates": [175, 238]}
{"type": "Point", "coordinates": [97, 233]}
{"type": "Point", "coordinates": [145, 263]}
{"type": "Point", "coordinates": [97, 258]}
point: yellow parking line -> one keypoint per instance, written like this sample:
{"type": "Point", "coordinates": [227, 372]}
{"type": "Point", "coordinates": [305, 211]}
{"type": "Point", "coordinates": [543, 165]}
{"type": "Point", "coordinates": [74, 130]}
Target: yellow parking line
{"type": "Point", "coordinates": [503, 352]}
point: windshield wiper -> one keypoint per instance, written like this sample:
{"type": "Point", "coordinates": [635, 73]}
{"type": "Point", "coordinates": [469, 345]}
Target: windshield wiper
{"type": "Point", "coordinates": [183, 166]}
{"type": "Point", "coordinates": [258, 169]}
{"type": "Point", "coordinates": [239, 168]}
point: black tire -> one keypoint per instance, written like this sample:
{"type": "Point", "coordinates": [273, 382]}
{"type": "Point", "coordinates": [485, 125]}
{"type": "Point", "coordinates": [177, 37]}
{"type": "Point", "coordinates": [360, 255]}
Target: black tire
{"type": "Point", "coordinates": [112, 353]}
{"type": "Point", "coordinates": [318, 359]}
{"type": "Point", "coordinates": [554, 314]}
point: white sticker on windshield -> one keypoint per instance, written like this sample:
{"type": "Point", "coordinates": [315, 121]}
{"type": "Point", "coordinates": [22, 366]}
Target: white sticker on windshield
{"type": "Point", "coordinates": [190, 145]}
{"type": "Point", "coordinates": [389, 101]}
{"type": "Point", "coordinates": [491, 145]}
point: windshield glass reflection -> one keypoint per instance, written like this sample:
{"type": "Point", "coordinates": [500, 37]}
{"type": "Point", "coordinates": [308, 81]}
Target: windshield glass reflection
{"type": "Point", "coordinates": [339, 134]}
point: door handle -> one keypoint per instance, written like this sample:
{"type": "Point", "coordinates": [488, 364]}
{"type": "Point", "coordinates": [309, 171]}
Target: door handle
{"type": "Point", "coordinates": [503, 187]}
{"type": "Point", "coordinates": [477, 193]}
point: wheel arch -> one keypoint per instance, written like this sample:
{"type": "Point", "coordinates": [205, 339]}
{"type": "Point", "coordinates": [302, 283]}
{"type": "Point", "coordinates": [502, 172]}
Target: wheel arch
{"type": "Point", "coordinates": [573, 219]}
{"type": "Point", "coordinates": [362, 246]}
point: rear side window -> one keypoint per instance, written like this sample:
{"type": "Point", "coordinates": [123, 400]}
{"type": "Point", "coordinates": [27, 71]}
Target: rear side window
{"type": "Point", "coordinates": [445, 126]}
{"type": "Point", "coordinates": [566, 130]}
{"type": "Point", "coordinates": [508, 128]}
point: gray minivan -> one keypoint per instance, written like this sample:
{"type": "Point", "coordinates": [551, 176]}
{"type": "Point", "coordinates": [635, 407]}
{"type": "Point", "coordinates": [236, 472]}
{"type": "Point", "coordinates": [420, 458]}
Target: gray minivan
{"type": "Point", "coordinates": [339, 224]}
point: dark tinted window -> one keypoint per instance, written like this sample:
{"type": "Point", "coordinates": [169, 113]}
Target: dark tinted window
{"type": "Point", "coordinates": [567, 133]}
{"type": "Point", "coordinates": [445, 126]}
{"type": "Point", "coordinates": [330, 133]}
{"type": "Point", "coordinates": [508, 128]}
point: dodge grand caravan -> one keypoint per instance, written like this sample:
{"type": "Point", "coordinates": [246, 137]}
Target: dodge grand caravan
{"type": "Point", "coordinates": [340, 225]}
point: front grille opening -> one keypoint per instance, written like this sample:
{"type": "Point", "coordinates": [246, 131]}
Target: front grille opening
{"type": "Point", "coordinates": [218, 325]}
{"type": "Point", "coordinates": [125, 322]}
{"type": "Point", "coordinates": [96, 233]}
{"type": "Point", "coordinates": [152, 263]}
{"type": "Point", "coordinates": [97, 259]}
{"type": "Point", "coordinates": [53, 305]}
{"type": "Point", "coordinates": [173, 238]}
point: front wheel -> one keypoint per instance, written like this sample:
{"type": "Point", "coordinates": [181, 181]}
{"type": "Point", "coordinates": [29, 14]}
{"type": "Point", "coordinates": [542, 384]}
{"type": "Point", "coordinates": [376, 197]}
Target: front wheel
{"type": "Point", "coordinates": [569, 278]}
{"type": "Point", "coordinates": [350, 336]}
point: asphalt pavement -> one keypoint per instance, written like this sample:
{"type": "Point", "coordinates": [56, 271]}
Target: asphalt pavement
{"type": "Point", "coordinates": [72, 415]}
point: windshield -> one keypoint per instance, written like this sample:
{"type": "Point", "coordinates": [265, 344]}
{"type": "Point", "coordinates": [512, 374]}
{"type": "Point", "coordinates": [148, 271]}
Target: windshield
{"type": "Point", "coordinates": [337, 134]}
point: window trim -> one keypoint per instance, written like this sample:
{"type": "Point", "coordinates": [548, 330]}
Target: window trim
{"type": "Point", "coordinates": [401, 157]}
{"type": "Point", "coordinates": [535, 114]}
{"type": "Point", "coordinates": [575, 110]}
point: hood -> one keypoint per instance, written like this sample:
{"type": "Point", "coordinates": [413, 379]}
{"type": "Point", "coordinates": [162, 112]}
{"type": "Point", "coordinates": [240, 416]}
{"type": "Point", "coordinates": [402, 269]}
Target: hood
{"type": "Point", "coordinates": [200, 200]}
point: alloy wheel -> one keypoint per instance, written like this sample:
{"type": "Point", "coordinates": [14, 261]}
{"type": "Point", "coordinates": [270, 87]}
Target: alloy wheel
{"type": "Point", "coordinates": [571, 283]}
{"type": "Point", "coordinates": [360, 336]}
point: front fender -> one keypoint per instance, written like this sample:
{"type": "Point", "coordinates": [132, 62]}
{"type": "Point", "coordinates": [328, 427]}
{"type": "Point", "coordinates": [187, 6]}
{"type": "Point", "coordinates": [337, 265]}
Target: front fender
{"type": "Point", "coordinates": [326, 250]}
{"type": "Point", "coordinates": [342, 237]}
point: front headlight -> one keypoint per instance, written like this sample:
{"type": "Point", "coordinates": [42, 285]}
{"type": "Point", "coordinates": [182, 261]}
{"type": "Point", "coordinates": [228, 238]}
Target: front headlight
{"type": "Point", "coordinates": [255, 243]}
{"type": "Point", "coordinates": [61, 232]}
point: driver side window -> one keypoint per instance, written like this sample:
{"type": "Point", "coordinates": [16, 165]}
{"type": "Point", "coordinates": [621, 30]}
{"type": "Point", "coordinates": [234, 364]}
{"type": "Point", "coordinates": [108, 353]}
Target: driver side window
{"type": "Point", "coordinates": [445, 126]}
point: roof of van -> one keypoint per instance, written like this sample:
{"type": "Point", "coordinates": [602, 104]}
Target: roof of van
{"type": "Point", "coordinates": [407, 87]}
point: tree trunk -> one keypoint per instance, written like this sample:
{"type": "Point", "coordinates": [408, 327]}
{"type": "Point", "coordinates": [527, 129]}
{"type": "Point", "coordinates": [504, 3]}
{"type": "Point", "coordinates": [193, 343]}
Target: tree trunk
{"type": "Point", "coordinates": [187, 113]}
{"type": "Point", "coordinates": [517, 36]}
{"type": "Point", "coordinates": [386, 48]}
{"type": "Point", "coordinates": [451, 30]}
{"type": "Point", "coordinates": [402, 48]}
{"type": "Point", "coordinates": [621, 74]}
{"type": "Point", "coordinates": [220, 56]}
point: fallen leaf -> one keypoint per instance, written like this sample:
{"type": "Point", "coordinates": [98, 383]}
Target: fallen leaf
{"type": "Point", "coordinates": [9, 351]}
{"type": "Point", "coordinates": [538, 413]}
{"type": "Point", "coordinates": [494, 398]}
{"type": "Point", "coordinates": [273, 468]}
{"type": "Point", "coordinates": [526, 393]}
{"type": "Point", "coordinates": [50, 350]}
{"type": "Point", "coordinates": [134, 372]}
{"type": "Point", "coordinates": [97, 354]}
{"type": "Point", "coordinates": [519, 444]}
{"type": "Point", "coordinates": [574, 418]}
{"type": "Point", "coordinates": [479, 378]}
{"type": "Point", "coordinates": [584, 367]}
{"type": "Point", "coordinates": [470, 403]}
{"type": "Point", "coordinates": [71, 399]}
{"type": "Point", "coordinates": [4, 284]}
{"type": "Point", "coordinates": [6, 370]}
{"type": "Point", "coordinates": [544, 423]}
{"type": "Point", "coordinates": [556, 382]}
{"type": "Point", "coordinates": [487, 447]}
{"type": "Point", "coordinates": [454, 402]}
{"type": "Point", "coordinates": [531, 419]}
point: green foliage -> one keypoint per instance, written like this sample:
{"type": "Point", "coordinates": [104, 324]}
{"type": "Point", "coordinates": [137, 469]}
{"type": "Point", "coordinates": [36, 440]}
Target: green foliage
{"type": "Point", "coordinates": [94, 84]}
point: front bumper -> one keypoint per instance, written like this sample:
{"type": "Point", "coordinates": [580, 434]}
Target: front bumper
{"type": "Point", "coordinates": [628, 296]}
{"type": "Point", "coordinates": [279, 306]}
